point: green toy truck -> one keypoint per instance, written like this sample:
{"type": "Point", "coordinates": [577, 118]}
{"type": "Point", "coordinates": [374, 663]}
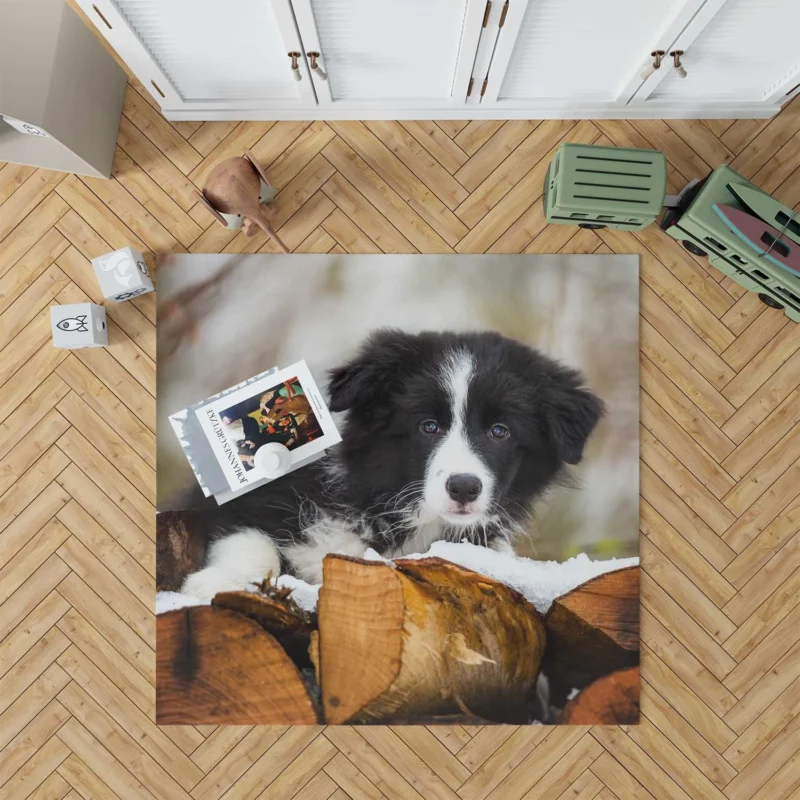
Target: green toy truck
{"type": "Point", "coordinates": [599, 187]}
{"type": "Point", "coordinates": [702, 232]}
{"type": "Point", "coordinates": [605, 187]}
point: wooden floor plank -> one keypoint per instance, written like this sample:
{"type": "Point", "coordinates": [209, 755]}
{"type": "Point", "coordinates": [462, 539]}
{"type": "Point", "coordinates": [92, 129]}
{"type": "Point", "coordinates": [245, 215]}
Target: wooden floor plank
{"type": "Point", "coordinates": [35, 735]}
{"type": "Point", "coordinates": [401, 179]}
{"type": "Point", "coordinates": [493, 152]}
{"type": "Point", "coordinates": [79, 450]}
{"type": "Point", "coordinates": [476, 133]}
{"type": "Point", "coordinates": [30, 231]}
{"type": "Point", "coordinates": [31, 593]}
{"type": "Point", "coordinates": [685, 449]}
{"type": "Point", "coordinates": [158, 203]}
{"type": "Point", "coordinates": [100, 761]}
{"type": "Point", "coordinates": [686, 594]}
{"type": "Point", "coordinates": [85, 783]}
{"type": "Point", "coordinates": [685, 412]}
{"type": "Point", "coordinates": [684, 556]}
{"type": "Point", "coordinates": [684, 737]}
{"type": "Point", "coordinates": [136, 108]}
{"type": "Point", "coordinates": [25, 199]}
{"type": "Point", "coordinates": [720, 471]}
{"type": "Point", "coordinates": [437, 143]}
{"type": "Point", "coordinates": [774, 572]}
{"type": "Point", "coordinates": [155, 164]}
{"type": "Point", "coordinates": [426, 168]}
{"type": "Point", "coordinates": [498, 203]}
{"type": "Point", "coordinates": [293, 158]}
{"type": "Point", "coordinates": [136, 737]}
{"type": "Point", "coordinates": [12, 176]}
{"type": "Point", "coordinates": [108, 515]}
{"type": "Point", "coordinates": [35, 707]}
{"type": "Point", "coordinates": [235, 761]}
{"type": "Point", "coordinates": [108, 442]}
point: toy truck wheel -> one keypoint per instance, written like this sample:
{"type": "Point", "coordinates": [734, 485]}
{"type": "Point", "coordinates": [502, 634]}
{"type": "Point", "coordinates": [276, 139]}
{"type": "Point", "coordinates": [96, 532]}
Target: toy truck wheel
{"type": "Point", "coordinates": [592, 226]}
{"type": "Point", "coordinates": [693, 248]}
{"type": "Point", "coordinates": [769, 301]}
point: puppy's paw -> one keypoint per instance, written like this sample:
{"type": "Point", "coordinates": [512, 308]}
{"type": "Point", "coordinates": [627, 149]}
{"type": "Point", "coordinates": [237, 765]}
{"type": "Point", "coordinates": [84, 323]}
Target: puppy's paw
{"type": "Point", "coordinates": [210, 581]}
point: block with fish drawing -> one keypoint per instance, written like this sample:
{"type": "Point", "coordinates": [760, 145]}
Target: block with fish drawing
{"type": "Point", "coordinates": [78, 325]}
{"type": "Point", "coordinates": [122, 275]}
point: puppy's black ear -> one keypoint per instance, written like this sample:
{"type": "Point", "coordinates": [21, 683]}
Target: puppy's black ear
{"type": "Point", "coordinates": [370, 378]}
{"type": "Point", "coordinates": [573, 412]}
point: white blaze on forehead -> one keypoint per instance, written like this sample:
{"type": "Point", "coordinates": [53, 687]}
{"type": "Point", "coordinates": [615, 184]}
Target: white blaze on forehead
{"type": "Point", "coordinates": [454, 454]}
{"type": "Point", "coordinates": [456, 377]}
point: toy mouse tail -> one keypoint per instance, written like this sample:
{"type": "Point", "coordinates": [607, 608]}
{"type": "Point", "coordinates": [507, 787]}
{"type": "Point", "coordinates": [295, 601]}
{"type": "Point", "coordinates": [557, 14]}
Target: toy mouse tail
{"type": "Point", "coordinates": [267, 228]}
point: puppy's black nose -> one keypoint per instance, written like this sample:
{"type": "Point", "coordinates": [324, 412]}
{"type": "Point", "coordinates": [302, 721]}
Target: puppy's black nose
{"type": "Point", "coordinates": [463, 487]}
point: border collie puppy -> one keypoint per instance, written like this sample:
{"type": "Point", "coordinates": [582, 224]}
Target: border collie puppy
{"type": "Point", "coordinates": [447, 436]}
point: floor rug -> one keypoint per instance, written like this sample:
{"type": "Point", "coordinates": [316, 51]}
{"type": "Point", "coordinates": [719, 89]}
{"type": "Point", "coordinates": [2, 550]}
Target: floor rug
{"type": "Point", "coordinates": [398, 489]}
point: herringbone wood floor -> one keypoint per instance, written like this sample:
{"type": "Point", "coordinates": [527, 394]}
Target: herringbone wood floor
{"type": "Point", "coordinates": [720, 507]}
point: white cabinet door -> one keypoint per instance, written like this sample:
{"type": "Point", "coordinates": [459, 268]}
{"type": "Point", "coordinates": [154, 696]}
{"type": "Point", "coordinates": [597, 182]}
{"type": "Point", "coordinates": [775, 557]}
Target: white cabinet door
{"type": "Point", "coordinates": [413, 54]}
{"type": "Point", "coordinates": [576, 55]}
{"type": "Point", "coordinates": [208, 55]}
{"type": "Point", "coordinates": [734, 51]}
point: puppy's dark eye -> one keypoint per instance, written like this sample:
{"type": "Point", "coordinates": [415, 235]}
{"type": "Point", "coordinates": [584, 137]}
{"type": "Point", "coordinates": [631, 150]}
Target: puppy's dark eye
{"type": "Point", "coordinates": [429, 426]}
{"type": "Point", "coordinates": [499, 431]}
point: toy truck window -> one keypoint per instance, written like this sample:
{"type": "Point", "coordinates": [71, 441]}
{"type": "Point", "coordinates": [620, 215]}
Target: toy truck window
{"type": "Point", "coordinates": [714, 243]}
{"type": "Point", "coordinates": [790, 295]}
{"type": "Point", "coordinates": [777, 245]}
{"type": "Point", "coordinates": [791, 225]}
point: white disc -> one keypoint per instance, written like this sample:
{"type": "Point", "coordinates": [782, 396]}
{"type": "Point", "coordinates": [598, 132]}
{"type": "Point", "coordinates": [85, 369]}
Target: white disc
{"type": "Point", "coordinates": [273, 460]}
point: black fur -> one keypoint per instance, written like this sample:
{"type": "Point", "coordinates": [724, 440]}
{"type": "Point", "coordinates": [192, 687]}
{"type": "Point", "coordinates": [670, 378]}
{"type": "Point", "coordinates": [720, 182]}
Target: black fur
{"type": "Point", "coordinates": [387, 390]}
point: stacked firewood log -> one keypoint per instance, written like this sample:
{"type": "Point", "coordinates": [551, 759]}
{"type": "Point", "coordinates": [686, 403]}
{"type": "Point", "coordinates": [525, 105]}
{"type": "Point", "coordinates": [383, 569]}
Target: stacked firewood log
{"type": "Point", "coordinates": [420, 641]}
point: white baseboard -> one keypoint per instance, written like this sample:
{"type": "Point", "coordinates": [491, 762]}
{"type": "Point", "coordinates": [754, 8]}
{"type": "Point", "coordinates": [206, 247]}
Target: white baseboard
{"type": "Point", "coordinates": [699, 111]}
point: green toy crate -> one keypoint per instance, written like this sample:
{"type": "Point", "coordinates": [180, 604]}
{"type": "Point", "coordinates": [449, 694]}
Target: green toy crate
{"type": "Point", "coordinates": [702, 232]}
{"type": "Point", "coordinates": [605, 187]}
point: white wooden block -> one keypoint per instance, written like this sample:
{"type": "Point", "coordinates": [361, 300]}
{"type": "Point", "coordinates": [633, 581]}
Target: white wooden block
{"type": "Point", "coordinates": [78, 325]}
{"type": "Point", "coordinates": [122, 274]}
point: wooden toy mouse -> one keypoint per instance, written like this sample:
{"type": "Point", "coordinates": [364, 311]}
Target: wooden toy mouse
{"type": "Point", "coordinates": [233, 194]}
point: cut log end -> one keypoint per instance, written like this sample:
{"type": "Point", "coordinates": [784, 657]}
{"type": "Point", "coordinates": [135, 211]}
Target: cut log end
{"type": "Point", "coordinates": [216, 666]}
{"type": "Point", "coordinates": [611, 700]}
{"type": "Point", "coordinates": [592, 631]}
{"type": "Point", "coordinates": [424, 638]}
{"type": "Point", "coordinates": [279, 615]}
{"type": "Point", "coordinates": [360, 638]}
{"type": "Point", "coordinates": [422, 641]}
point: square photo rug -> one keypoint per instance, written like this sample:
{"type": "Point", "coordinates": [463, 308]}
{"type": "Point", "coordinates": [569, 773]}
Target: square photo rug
{"type": "Point", "coordinates": [398, 489]}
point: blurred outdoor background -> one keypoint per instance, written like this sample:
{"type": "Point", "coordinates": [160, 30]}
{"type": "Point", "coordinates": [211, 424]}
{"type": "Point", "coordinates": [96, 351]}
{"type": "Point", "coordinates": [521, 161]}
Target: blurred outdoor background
{"type": "Point", "coordinates": [224, 318]}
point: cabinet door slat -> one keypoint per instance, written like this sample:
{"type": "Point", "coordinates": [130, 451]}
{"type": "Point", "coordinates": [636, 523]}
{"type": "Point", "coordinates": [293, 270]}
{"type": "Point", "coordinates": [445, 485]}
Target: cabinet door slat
{"type": "Point", "coordinates": [583, 49]}
{"type": "Point", "coordinates": [384, 51]}
{"type": "Point", "coordinates": [212, 50]}
{"type": "Point", "coordinates": [748, 50]}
